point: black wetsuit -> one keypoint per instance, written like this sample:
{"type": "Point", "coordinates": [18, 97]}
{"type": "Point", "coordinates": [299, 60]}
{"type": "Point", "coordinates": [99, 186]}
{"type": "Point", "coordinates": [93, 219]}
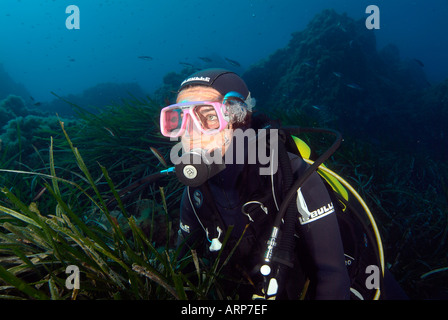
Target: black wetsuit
{"type": "Point", "coordinates": [319, 243]}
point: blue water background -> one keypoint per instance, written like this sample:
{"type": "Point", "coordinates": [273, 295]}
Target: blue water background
{"type": "Point", "coordinates": [37, 50]}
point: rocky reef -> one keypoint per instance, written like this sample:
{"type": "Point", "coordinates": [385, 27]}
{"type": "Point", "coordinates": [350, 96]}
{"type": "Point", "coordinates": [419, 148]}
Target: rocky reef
{"type": "Point", "coordinates": [95, 98]}
{"type": "Point", "coordinates": [9, 86]}
{"type": "Point", "coordinates": [333, 73]}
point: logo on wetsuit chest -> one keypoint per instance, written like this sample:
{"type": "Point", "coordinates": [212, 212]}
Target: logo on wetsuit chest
{"type": "Point", "coordinates": [197, 199]}
{"type": "Point", "coordinates": [185, 227]}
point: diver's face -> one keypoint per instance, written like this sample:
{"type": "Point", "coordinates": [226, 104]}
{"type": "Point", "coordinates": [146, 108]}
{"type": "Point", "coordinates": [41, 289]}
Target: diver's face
{"type": "Point", "coordinates": [193, 138]}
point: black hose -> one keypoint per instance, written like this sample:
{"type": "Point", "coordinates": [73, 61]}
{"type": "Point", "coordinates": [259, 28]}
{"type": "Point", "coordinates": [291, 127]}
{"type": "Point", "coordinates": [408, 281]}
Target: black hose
{"type": "Point", "coordinates": [321, 159]}
{"type": "Point", "coordinates": [285, 249]}
{"type": "Point", "coordinates": [287, 212]}
{"type": "Point", "coordinates": [138, 184]}
{"type": "Point", "coordinates": [284, 252]}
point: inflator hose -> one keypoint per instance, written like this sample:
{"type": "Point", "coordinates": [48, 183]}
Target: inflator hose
{"type": "Point", "coordinates": [138, 184]}
{"type": "Point", "coordinates": [285, 249]}
{"type": "Point", "coordinates": [321, 159]}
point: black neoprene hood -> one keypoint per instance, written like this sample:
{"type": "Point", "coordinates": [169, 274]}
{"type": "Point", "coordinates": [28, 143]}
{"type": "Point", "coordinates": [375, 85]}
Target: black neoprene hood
{"type": "Point", "coordinates": [222, 80]}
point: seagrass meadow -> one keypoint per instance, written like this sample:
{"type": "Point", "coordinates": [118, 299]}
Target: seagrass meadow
{"type": "Point", "coordinates": [61, 206]}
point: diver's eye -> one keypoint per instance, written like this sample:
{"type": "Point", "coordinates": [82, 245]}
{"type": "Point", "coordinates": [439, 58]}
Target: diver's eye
{"type": "Point", "coordinates": [207, 116]}
{"type": "Point", "coordinates": [211, 117]}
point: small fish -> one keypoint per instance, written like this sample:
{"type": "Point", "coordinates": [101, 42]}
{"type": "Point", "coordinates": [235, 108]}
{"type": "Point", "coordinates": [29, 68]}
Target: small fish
{"type": "Point", "coordinates": [147, 58]}
{"type": "Point", "coordinates": [341, 27]}
{"type": "Point", "coordinates": [37, 104]}
{"type": "Point", "coordinates": [72, 60]}
{"type": "Point", "coordinates": [39, 194]}
{"type": "Point", "coordinates": [115, 221]}
{"type": "Point", "coordinates": [338, 74]}
{"type": "Point", "coordinates": [420, 63]}
{"type": "Point", "coordinates": [159, 156]}
{"type": "Point", "coordinates": [309, 64]}
{"type": "Point", "coordinates": [110, 131]}
{"type": "Point", "coordinates": [319, 107]}
{"type": "Point", "coordinates": [205, 59]}
{"type": "Point", "coordinates": [354, 86]}
{"type": "Point", "coordinates": [233, 62]}
{"type": "Point", "coordinates": [186, 64]}
{"type": "Point", "coordinates": [167, 101]}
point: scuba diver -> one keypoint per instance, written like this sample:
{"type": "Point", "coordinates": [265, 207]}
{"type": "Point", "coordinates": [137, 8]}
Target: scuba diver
{"type": "Point", "coordinates": [278, 219]}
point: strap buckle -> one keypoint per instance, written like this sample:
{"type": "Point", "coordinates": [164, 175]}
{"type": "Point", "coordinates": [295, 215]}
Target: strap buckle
{"type": "Point", "coordinates": [243, 209]}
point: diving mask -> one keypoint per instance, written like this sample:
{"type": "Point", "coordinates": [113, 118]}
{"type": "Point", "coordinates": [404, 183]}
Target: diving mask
{"type": "Point", "coordinates": [209, 117]}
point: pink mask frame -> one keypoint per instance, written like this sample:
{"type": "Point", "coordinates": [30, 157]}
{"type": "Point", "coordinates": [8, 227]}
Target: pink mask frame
{"type": "Point", "coordinates": [169, 118]}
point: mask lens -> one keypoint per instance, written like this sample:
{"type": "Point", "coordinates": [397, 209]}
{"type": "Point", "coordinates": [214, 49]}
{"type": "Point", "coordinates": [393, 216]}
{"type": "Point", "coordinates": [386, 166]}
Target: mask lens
{"type": "Point", "coordinates": [172, 120]}
{"type": "Point", "coordinates": [207, 117]}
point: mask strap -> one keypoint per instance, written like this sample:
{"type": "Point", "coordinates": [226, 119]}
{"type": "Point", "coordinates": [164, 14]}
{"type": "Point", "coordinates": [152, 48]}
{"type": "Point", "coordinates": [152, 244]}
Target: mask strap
{"type": "Point", "coordinates": [233, 95]}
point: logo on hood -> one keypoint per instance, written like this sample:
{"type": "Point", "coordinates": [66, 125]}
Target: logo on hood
{"type": "Point", "coordinates": [205, 79]}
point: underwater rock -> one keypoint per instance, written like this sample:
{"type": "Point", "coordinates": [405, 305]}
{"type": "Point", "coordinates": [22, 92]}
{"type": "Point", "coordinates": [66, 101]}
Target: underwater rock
{"type": "Point", "coordinates": [390, 54]}
{"type": "Point", "coordinates": [9, 86]}
{"type": "Point", "coordinates": [6, 113]}
{"type": "Point", "coordinates": [166, 94]}
{"type": "Point", "coordinates": [14, 106]}
{"type": "Point", "coordinates": [29, 133]}
{"type": "Point", "coordinates": [334, 62]}
{"type": "Point", "coordinates": [96, 97]}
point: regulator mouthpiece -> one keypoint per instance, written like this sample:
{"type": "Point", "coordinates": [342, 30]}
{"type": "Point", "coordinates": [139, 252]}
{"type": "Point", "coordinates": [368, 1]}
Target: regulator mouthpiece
{"type": "Point", "coordinates": [197, 166]}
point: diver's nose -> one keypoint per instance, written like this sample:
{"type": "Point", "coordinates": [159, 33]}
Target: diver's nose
{"type": "Point", "coordinates": [190, 128]}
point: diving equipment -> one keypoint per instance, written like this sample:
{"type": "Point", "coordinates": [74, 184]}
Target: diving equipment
{"type": "Point", "coordinates": [209, 117]}
{"type": "Point", "coordinates": [274, 263]}
{"type": "Point", "coordinates": [197, 166]}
